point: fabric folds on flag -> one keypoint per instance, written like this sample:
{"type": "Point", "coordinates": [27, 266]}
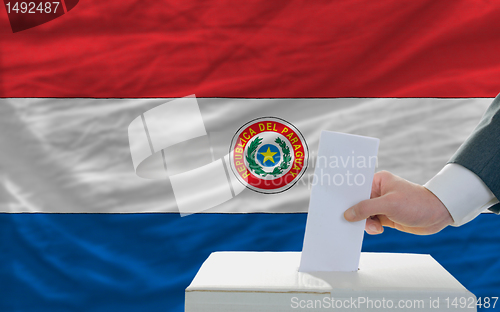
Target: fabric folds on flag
{"type": "Point", "coordinates": [81, 231]}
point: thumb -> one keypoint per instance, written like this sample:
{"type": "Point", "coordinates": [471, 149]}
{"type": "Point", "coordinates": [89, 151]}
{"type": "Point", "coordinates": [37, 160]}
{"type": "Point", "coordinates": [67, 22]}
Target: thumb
{"type": "Point", "coordinates": [367, 208]}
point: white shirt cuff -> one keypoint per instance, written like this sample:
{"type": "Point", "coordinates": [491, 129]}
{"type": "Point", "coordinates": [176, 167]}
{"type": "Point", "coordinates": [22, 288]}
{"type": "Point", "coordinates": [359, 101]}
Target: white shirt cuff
{"type": "Point", "coordinates": [462, 192]}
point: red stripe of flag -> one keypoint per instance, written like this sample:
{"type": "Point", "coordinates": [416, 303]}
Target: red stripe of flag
{"type": "Point", "coordinates": [222, 48]}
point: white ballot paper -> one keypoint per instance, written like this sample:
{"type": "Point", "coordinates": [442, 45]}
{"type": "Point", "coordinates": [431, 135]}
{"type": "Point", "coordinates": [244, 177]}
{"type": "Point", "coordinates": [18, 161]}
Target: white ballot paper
{"type": "Point", "coordinates": [343, 177]}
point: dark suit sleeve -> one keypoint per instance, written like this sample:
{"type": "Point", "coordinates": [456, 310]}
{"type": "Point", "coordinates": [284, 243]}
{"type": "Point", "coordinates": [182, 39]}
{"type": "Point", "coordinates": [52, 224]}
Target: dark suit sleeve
{"type": "Point", "coordinates": [480, 153]}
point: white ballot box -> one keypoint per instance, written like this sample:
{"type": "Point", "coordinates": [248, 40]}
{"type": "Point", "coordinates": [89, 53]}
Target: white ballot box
{"type": "Point", "coordinates": [271, 281]}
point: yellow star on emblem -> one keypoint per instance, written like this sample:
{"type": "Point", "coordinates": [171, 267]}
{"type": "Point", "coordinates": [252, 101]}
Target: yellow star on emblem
{"type": "Point", "coordinates": [268, 155]}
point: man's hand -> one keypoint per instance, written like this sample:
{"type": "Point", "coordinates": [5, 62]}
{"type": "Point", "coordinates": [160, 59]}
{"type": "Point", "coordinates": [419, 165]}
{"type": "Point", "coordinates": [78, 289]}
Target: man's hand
{"type": "Point", "coordinates": [402, 205]}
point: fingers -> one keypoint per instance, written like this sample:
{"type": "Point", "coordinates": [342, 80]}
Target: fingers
{"type": "Point", "coordinates": [376, 188]}
{"type": "Point", "coordinates": [386, 221]}
{"type": "Point", "coordinates": [373, 226]}
{"type": "Point", "coordinates": [367, 208]}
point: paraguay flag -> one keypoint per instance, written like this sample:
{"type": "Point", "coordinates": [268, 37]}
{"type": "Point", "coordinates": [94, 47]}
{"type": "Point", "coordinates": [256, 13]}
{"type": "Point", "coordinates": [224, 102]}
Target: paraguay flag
{"type": "Point", "coordinates": [117, 118]}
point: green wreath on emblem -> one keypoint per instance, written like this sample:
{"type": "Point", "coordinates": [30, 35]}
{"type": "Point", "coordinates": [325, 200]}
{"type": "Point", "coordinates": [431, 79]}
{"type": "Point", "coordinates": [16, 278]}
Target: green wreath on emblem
{"type": "Point", "coordinates": [250, 157]}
